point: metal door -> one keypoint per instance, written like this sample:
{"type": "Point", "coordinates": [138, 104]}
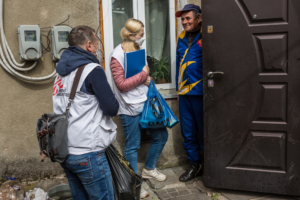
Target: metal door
{"type": "Point", "coordinates": [252, 111]}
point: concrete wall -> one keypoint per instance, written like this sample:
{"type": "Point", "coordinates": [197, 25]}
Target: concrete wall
{"type": "Point", "coordinates": [22, 103]}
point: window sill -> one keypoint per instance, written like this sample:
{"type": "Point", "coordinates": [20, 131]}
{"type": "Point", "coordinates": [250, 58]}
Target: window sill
{"type": "Point", "coordinates": [168, 94]}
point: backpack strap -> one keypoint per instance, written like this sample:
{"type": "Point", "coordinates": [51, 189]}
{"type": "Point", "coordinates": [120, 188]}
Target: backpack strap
{"type": "Point", "coordinates": [75, 85]}
{"type": "Point", "coordinates": [42, 133]}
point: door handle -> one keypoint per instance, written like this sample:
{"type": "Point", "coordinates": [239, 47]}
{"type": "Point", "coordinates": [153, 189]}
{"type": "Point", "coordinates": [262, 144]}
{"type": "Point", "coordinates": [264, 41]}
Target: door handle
{"type": "Point", "coordinates": [211, 74]}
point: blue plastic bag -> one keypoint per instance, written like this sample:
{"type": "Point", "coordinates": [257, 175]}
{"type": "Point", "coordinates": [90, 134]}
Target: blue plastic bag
{"type": "Point", "coordinates": [156, 112]}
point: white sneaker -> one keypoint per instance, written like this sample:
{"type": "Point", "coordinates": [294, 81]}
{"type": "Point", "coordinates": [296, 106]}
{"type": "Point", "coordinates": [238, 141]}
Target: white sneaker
{"type": "Point", "coordinates": [144, 193]}
{"type": "Point", "coordinates": [157, 175]}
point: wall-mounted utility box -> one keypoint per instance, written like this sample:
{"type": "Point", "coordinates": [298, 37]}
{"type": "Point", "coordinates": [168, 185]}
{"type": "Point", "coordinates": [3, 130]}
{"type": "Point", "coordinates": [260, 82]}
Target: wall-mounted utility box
{"type": "Point", "coordinates": [59, 40]}
{"type": "Point", "coordinates": [29, 42]}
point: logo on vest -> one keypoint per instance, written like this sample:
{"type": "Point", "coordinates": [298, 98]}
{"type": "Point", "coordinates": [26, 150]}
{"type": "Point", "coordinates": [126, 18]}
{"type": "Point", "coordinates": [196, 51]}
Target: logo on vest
{"type": "Point", "coordinates": [199, 43]}
{"type": "Point", "coordinates": [57, 86]}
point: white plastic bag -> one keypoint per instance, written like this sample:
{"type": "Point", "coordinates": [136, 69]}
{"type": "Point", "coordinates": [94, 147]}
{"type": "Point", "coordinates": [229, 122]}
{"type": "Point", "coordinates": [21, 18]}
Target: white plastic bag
{"type": "Point", "coordinates": [36, 194]}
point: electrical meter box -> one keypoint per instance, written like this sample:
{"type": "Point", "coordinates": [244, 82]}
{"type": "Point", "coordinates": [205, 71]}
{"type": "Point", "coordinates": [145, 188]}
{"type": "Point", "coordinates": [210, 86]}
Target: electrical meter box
{"type": "Point", "coordinates": [29, 42]}
{"type": "Point", "coordinates": [59, 40]}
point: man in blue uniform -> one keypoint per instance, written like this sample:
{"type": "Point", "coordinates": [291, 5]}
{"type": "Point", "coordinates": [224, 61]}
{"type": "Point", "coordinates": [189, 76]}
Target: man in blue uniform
{"type": "Point", "coordinates": [189, 86]}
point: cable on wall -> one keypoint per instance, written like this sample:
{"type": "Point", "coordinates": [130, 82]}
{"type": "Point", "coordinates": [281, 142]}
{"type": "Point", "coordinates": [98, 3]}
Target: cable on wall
{"type": "Point", "coordinates": [8, 62]}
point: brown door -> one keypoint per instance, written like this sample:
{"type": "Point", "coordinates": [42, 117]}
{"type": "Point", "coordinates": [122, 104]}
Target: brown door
{"type": "Point", "coordinates": [252, 111]}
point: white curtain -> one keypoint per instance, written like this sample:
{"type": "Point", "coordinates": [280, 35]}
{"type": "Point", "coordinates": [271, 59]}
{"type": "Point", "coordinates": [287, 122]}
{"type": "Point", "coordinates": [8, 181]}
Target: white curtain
{"type": "Point", "coordinates": [157, 28]}
{"type": "Point", "coordinates": [122, 10]}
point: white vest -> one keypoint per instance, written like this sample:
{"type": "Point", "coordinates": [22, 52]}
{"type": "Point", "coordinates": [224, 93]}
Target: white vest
{"type": "Point", "coordinates": [131, 102]}
{"type": "Point", "coordinates": [89, 130]}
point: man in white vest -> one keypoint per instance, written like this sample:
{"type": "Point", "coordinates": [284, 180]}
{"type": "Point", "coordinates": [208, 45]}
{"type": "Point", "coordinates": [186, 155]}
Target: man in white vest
{"type": "Point", "coordinates": [91, 129]}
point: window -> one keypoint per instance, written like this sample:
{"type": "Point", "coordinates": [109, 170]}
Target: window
{"type": "Point", "coordinates": [160, 33]}
{"type": "Point", "coordinates": [30, 36]}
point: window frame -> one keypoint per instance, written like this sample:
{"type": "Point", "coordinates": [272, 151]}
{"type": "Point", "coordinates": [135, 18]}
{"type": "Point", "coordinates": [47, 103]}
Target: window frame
{"type": "Point", "coordinates": [138, 13]}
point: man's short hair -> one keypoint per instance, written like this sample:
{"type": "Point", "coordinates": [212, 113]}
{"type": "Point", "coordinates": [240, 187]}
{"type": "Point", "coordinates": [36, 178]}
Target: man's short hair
{"type": "Point", "coordinates": [77, 39]}
{"type": "Point", "coordinates": [196, 13]}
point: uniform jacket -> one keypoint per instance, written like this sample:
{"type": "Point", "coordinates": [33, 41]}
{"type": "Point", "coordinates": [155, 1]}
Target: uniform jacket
{"type": "Point", "coordinates": [189, 66]}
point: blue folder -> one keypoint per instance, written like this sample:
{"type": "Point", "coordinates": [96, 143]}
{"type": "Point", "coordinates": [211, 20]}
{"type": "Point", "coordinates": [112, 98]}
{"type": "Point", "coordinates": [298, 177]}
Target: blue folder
{"type": "Point", "coordinates": [134, 62]}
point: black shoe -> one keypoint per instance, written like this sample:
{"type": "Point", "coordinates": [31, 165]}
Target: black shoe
{"type": "Point", "coordinates": [201, 172]}
{"type": "Point", "coordinates": [191, 173]}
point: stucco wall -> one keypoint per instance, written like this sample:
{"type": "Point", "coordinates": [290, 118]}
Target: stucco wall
{"type": "Point", "coordinates": [196, 2]}
{"type": "Point", "coordinates": [22, 103]}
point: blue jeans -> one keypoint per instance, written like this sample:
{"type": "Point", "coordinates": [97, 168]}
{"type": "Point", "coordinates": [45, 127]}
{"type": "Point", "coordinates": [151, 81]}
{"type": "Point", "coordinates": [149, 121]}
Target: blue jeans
{"type": "Point", "coordinates": [191, 121]}
{"type": "Point", "coordinates": [132, 132]}
{"type": "Point", "coordinates": [89, 176]}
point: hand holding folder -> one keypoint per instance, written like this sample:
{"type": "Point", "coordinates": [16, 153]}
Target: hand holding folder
{"type": "Point", "coordinates": [134, 62]}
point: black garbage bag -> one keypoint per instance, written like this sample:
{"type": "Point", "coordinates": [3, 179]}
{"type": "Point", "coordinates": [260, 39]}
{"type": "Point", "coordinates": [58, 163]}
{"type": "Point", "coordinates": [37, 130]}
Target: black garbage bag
{"type": "Point", "coordinates": [124, 178]}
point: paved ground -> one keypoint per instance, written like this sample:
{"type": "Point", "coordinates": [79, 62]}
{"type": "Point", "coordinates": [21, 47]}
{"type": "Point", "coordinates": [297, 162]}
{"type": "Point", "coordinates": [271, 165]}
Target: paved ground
{"type": "Point", "coordinates": [172, 189]}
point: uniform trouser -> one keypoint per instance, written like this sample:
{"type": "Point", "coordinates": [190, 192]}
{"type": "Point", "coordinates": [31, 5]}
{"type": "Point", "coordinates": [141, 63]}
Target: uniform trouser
{"type": "Point", "coordinates": [191, 121]}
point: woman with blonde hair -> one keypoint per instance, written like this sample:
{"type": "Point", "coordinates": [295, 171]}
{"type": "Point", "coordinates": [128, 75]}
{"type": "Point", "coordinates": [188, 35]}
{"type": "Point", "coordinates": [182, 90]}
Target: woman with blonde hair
{"type": "Point", "coordinates": [132, 94]}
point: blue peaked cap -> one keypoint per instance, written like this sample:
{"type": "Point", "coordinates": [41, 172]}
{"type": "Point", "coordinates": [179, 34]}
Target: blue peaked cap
{"type": "Point", "coordinates": [188, 7]}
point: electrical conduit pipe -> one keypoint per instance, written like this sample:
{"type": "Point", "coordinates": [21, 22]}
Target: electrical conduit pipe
{"type": "Point", "coordinates": [12, 68]}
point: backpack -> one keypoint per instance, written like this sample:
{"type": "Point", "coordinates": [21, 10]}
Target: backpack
{"type": "Point", "coordinates": [52, 129]}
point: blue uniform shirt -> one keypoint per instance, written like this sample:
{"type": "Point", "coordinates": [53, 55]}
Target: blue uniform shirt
{"type": "Point", "coordinates": [189, 66]}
